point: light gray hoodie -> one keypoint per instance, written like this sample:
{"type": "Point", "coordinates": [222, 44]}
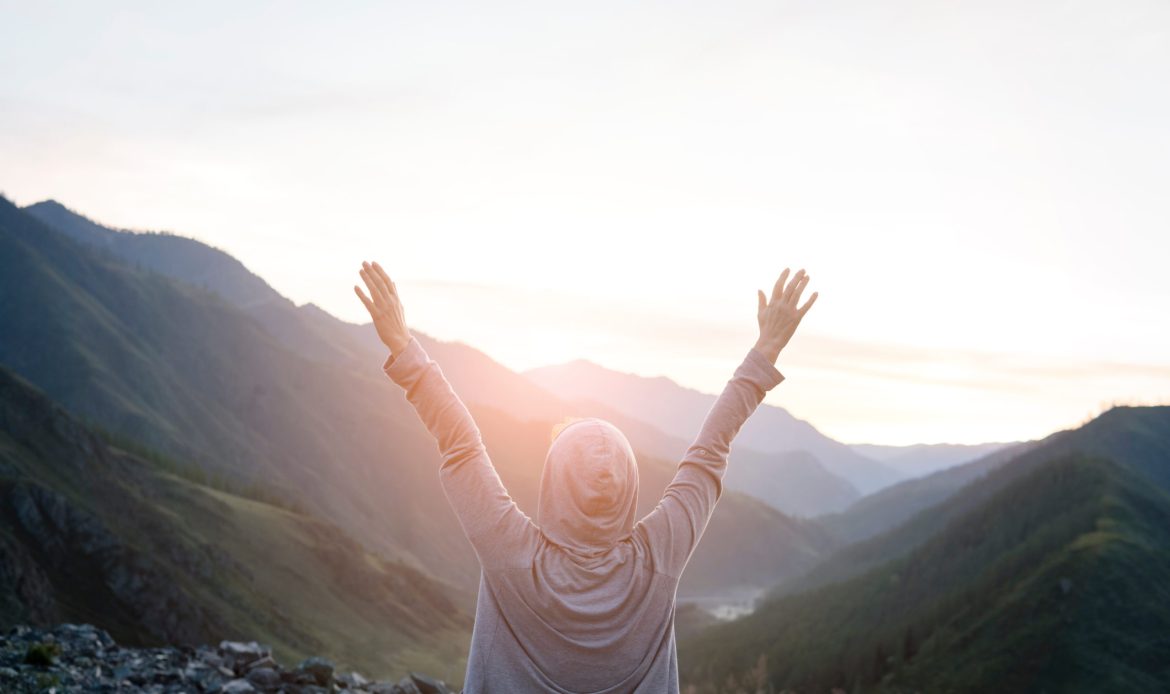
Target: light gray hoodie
{"type": "Point", "coordinates": [583, 599]}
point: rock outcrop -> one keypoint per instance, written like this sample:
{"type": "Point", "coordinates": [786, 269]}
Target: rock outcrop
{"type": "Point", "coordinates": [83, 658]}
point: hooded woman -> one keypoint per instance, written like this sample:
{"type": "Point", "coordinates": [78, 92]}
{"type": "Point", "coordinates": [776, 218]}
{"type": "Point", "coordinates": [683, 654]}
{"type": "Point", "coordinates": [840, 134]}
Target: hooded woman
{"type": "Point", "coordinates": [583, 598]}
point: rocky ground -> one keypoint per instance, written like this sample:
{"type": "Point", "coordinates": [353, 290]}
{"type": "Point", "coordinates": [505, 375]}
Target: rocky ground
{"type": "Point", "coordinates": [83, 658]}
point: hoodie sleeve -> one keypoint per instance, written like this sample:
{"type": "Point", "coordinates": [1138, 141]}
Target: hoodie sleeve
{"type": "Point", "coordinates": [672, 530]}
{"type": "Point", "coordinates": [497, 528]}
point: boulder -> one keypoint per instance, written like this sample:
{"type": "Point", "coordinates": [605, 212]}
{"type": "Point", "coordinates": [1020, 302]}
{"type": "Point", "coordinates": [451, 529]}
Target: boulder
{"type": "Point", "coordinates": [352, 681]}
{"type": "Point", "coordinates": [237, 655]}
{"type": "Point", "coordinates": [263, 678]}
{"type": "Point", "coordinates": [320, 668]}
{"type": "Point", "coordinates": [428, 685]}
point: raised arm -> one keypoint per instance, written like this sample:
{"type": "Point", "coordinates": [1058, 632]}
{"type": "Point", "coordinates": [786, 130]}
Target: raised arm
{"type": "Point", "coordinates": [497, 528]}
{"type": "Point", "coordinates": [673, 529]}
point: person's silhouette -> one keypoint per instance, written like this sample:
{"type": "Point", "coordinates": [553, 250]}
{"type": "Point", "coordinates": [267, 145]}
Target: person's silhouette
{"type": "Point", "coordinates": [582, 599]}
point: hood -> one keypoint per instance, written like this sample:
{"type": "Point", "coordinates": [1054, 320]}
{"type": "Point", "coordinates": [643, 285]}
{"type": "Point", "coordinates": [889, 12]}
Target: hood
{"type": "Point", "coordinates": [589, 488]}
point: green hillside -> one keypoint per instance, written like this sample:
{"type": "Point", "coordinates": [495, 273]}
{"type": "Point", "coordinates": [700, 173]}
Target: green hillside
{"type": "Point", "coordinates": [1057, 580]}
{"type": "Point", "coordinates": [183, 371]}
{"type": "Point", "coordinates": [92, 533]}
{"type": "Point", "coordinates": [1134, 437]}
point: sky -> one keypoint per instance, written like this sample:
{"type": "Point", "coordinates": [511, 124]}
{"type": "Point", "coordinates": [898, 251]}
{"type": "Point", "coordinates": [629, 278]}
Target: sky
{"type": "Point", "coordinates": [977, 189]}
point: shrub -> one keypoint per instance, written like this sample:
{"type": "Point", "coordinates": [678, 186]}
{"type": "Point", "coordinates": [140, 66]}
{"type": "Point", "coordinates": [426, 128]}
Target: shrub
{"type": "Point", "coordinates": [42, 654]}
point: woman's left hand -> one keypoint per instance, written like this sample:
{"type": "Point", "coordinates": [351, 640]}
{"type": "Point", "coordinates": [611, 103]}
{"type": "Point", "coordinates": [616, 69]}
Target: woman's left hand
{"type": "Point", "coordinates": [384, 306]}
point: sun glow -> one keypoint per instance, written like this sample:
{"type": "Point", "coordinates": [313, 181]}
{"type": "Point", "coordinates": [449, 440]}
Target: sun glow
{"type": "Point", "coordinates": [971, 195]}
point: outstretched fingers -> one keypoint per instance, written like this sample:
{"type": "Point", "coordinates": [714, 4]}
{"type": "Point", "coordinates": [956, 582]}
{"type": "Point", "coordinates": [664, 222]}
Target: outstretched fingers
{"type": "Point", "coordinates": [371, 284]}
{"type": "Point", "coordinates": [797, 279]}
{"type": "Point", "coordinates": [365, 300]}
{"type": "Point", "coordinates": [795, 298]}
{"type": "Point", "coordinates": [778, 288]}
{"type": "Point", "coordinates": [386, 281]}
{"type": "Point", "coordinates": [807, 305]}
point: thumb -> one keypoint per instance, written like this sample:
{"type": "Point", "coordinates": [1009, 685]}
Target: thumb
{"type": "Point", "coordinates": [763, 301]}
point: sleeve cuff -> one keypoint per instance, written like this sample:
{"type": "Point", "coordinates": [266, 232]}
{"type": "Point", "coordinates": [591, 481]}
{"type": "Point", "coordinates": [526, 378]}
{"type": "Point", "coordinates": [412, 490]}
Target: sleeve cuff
{"type": "Point", "coordinates": [761, 371]}
{"type": "Point", "coordinates": [399, 367]}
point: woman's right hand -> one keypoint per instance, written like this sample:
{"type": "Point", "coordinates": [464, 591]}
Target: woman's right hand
{"type": "Point", "coordinates": [779, 317]}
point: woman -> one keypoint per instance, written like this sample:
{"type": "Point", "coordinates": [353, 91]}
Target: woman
{"type": "Point", "coordinates": [582, 599]}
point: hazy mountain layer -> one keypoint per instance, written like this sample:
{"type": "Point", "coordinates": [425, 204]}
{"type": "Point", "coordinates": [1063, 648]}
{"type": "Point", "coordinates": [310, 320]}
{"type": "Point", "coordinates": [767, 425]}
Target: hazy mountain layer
{"type": "Point", "coordinates": [679, 411]}
{"type": "Point", "coordinates": [890, 507]}
{"type": "Point", "coordinates": [926, 458]}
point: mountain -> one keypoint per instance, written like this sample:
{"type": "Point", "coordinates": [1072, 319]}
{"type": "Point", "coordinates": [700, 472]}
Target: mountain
{"type": "Point", "coordinates": [306, 330]}
{"type": "Point", "coordinates": [186, 373]}
{"type": "Point", "coordinates": [191, 261]}
{"type": "Point", "coordinates": [156, 554]}
{"type": "Point", "coordinates": [679, 412]}
{"type": "Point", "coordinates": [1055, 578]}
{"type": "Point", "coordinates": [890, 507]}
{"type": "Point", "coordinates": [926, 458]}
{"type": "Point", "coordinates": [123, 339]}
{"type": "Point", "coordinates": [1134, 437]}
{"type": "Point", "coordinates": [792, 482]}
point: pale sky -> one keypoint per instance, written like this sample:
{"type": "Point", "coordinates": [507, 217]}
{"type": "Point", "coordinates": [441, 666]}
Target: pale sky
{"type": "Point", "coordinates": [978, 189]}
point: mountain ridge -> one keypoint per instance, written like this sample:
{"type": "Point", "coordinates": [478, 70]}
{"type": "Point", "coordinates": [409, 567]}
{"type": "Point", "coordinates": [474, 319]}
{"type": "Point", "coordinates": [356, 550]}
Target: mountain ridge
{"type": "Point", "coordinates": [1055, 580]}
{"type": "Point", "coordinates": [921, 459]}
{"type": "Point", "coordinates": [679, 411]}
{"type": "Point", "coordinates": [1135, 436]}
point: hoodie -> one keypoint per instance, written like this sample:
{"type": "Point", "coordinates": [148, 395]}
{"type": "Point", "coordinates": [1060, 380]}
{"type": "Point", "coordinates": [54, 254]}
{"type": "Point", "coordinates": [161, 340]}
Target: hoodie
{"type": "Point", "coordinates": [583, 598]}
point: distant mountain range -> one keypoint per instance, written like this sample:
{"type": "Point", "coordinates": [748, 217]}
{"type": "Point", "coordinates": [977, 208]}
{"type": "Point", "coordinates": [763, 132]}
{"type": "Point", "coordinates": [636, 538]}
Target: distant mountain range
{"type": "Point", "coordinates": [679, 411]}
{"type": "Point", "coordinates": [779, 459]}
{"type": "Point", "coordinates": [925, 458]}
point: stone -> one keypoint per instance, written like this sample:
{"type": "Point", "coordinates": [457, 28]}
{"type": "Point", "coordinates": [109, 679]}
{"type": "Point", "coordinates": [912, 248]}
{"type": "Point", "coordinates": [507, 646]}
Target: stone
{"type": "Point", "coordinates": [352, 681]}
{"type": "Point", "coordinates": [237, 655]}
{"type": "Point", "coordinates": [237, 687]}
{"type": "Point", "coordinates": [265, 661]}
{"type": "Point", "coordinates": [296, 677]}
{"type": "Point", "coordinates": [428, 685]}
{"type": "Point", "coordinates": [320, 668]}
{"type": "Point", "coordinates": [264, 678]}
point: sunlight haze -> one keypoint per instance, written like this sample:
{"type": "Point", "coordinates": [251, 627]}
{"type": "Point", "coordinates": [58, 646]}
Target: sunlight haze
{"type": "Point", "coordinates": [978, 190]}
